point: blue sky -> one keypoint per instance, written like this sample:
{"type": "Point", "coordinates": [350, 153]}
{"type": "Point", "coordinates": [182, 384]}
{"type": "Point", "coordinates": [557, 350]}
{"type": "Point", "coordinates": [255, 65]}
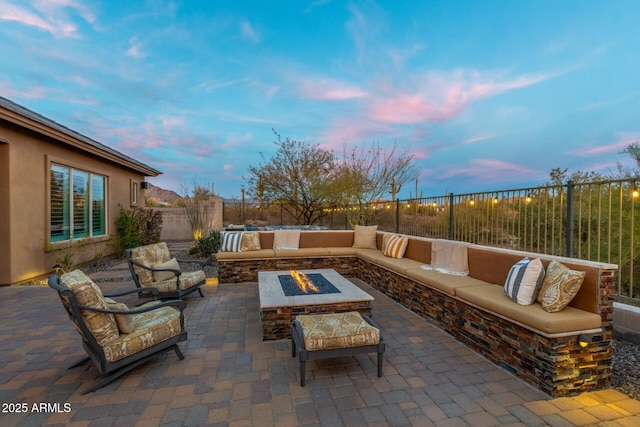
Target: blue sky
{"type": "Point", "coordinates": [486, 95]}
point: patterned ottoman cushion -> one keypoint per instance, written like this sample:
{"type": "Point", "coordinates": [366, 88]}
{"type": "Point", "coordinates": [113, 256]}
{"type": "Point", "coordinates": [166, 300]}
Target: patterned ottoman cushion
{"type": "Point", "coordinates": [337, 330]}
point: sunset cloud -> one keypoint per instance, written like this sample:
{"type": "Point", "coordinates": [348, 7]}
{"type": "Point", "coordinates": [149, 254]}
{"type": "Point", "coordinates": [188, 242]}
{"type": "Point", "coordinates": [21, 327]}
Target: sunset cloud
{"type": "Point", "coordinates": [50, 16]}
{"type": "Point", "coordinates": [442, 96]}
{"type": "Point", "coordinates": [329, 89]}
{"type": "Point", "coordinates": [623, 141]}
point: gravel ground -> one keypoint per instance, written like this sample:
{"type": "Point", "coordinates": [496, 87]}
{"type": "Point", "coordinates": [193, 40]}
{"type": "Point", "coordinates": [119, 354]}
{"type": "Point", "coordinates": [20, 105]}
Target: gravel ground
{"type": "Point", "coordinates": [625, 360]}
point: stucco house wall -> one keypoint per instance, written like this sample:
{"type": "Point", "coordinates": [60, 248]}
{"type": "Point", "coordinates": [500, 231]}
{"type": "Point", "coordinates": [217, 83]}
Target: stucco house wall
{"type": "Point", "coordinates": [29, 143]}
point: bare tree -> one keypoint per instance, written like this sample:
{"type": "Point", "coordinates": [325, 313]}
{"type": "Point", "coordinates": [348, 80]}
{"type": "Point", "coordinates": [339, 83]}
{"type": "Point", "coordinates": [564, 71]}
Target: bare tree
{"type": "Point", "coordinates": [367, 174]}
{"type": "Point", "coordinates": [199, 204]}
{"type": "Point", "coordinates": [299, 175]}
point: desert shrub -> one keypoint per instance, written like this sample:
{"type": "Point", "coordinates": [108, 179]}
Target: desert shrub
{"type": "Point", "coordinates": [137, 227]}
{"type": "Point", "coordinates": [208, 245]}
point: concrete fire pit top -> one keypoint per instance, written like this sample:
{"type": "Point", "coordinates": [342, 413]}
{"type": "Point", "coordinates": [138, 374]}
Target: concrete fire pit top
{"type": "Point", "coordinates": [272, 295]}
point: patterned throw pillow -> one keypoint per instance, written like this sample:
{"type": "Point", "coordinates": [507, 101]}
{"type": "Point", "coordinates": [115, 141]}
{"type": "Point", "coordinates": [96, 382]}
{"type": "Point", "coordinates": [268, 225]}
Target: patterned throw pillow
{"type": "Point", "coordinates": [161, 276]}
{"type": "Point", "coordinates": [231, 242]}
{"type": "Point", "coordinates": [250, 242]}
{"type": "Point", "coordinates": [396, 246]}
{"type": "Point", "coordinates": [560, 285]}
{"type": "Point", "coordinates": [524, 281]}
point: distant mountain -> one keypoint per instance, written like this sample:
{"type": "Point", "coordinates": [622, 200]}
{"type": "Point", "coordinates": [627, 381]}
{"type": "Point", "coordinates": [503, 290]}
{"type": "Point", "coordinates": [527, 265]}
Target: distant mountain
{"type": "Point", "coordinates": [160, 196]}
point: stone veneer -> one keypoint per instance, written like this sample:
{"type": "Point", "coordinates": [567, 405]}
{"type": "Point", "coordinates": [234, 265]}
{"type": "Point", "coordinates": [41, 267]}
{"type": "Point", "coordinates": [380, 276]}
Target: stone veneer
{"type": "Point", "coordinates": [556, 365]}
{"type": "Point", "coordinates": [242, 271]}
{"type": "Point", "coordinates": [276, 321]}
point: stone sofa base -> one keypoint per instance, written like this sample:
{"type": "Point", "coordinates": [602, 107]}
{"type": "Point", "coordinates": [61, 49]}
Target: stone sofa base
{"type": "Point", "coordinates": [556, 365]}
{"type": "Point", "coordinates": [242, 271]}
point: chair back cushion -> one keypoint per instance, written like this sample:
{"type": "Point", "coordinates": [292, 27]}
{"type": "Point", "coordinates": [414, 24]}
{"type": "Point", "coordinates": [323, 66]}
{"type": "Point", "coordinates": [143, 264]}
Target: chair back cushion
{"type": "Point", "coordinates": [103, 326]}
{"type": "Point", "coordinates": [148, 256]}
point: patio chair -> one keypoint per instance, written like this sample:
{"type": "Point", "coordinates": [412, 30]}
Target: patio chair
{"type": "Point", "coordinates": [152, 266]}
{"type": "Point", "coordinates": [116, 339]}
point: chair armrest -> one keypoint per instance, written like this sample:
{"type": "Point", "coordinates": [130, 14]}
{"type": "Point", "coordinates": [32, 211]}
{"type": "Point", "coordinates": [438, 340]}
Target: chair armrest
{"type": "Point", "coordinates": [170, 303]}
{"type": "Point", "coordinates": [146, 289]}
{"type": "Point", "coordinates": [191, 261]}
{"type": "Point", "coordinates": [176, 272]}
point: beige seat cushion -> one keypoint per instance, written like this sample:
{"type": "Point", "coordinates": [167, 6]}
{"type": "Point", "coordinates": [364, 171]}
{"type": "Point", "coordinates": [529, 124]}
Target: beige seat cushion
{"type": "Point", "coordinates": [302, 252]}
{"type": "Point", "coordinates": [259, 254]}
{"type": "Point", "coordinates": [151, 328]}
{"type": "Point", "coordinates": [492, 298]}
{"type": "Point", "coordinates": [400, 265]}
{"type": "Point", "coordinates": [337, 330]}
{"type": "Point", "coordinates": [447, 283]}
{"type": "Point", "coordinates": [343, 251]}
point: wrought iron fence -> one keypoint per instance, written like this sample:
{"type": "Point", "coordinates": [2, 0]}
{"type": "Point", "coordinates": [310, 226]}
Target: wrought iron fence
{"type": "Point", "coordinates": [594, 221]}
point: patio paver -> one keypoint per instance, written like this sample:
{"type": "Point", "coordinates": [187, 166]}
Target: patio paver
{"type": "Point", "coordinates": [230, 377]}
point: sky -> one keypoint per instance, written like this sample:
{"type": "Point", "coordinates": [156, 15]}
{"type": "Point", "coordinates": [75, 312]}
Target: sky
{"type": "Point", "coordinates": [485, 95]}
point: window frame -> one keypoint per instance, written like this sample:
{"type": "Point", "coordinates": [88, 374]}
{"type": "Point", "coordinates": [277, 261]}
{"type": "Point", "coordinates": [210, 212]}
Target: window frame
{"type": "Point", "coordinates": [88, 205]}
{"type": "Point", "coordinates": [134, 193]}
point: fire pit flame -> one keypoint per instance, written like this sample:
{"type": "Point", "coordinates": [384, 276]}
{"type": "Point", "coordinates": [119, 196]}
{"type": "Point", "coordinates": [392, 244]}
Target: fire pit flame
{"type": "Point", "coordinates": [303, 282]}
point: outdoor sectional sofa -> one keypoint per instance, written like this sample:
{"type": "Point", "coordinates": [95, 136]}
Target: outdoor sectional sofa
{"type": "Point", "coordinates": [541, 348]}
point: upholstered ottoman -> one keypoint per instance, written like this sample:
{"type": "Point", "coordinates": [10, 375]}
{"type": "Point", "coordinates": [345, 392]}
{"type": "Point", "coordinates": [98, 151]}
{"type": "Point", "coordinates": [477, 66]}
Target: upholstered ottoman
{"type": "Point", "coordinates": [320, 336]}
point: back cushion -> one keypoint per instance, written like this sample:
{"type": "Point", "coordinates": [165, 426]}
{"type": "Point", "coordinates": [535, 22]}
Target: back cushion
{"type": "Point", "coordinates": [493, 266]}
{"type": "Point", "coordinates": [149, 255]}
{"type": "Point", "coordinates": [103, 326]}
{"type": "Point", "coordinates": [419, 250]}
{"type": "Point", "coordinates": [266, 239]}
{"type": "Point", "coordinates": [326, 239]}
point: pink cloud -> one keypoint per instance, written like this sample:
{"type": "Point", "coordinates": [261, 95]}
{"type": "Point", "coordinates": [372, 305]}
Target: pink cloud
{"type": "Point", "coordinates": [623, 141]}
{"type": "Point", "coordinates": [50, 16]}
{"type": "Point", "coordinates": [442, 96]}
{"type": "Point", "coordinates": [329, 89]}
{"type": "Point", "coordinates": [488, 169]}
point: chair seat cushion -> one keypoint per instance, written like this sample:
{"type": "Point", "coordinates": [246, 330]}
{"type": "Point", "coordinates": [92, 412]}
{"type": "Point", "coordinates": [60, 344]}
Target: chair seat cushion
{"type": "Point", "coordinates": [336, 330]}
{"type": "Point", "coordinates": [188, 279]}
{"type": "Point", "coordinates": [151, 328]}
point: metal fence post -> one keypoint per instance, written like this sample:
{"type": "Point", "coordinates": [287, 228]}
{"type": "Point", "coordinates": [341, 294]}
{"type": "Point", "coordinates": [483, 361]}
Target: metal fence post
{"type": "Point", "coordinates": [450, 216]}
{"type": "Point", "coordinates": [569, 224]}
{"type": "Point", "coordinates": [397, 215]}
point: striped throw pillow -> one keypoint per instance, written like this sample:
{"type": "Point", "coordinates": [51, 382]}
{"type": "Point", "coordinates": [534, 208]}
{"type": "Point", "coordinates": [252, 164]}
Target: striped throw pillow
{"type": "Point", "coordinates": [396, 246]}
{"type": "Point", "coordinates": [231, 242]}
{"type": "Point", "coordinates": [524, 281]}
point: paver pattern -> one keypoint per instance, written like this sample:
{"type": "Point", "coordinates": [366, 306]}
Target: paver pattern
{"type": "Point", "coordinates": [231, 377]}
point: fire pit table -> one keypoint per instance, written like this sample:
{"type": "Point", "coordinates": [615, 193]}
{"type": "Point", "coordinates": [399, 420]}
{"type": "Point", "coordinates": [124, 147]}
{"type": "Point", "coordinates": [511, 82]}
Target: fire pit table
{"type": "Point", "coordinates": [287, 294]}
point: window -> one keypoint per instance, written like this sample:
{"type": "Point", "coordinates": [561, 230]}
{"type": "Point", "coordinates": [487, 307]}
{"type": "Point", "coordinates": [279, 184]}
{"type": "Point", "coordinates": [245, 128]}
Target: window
{"type": "Point", "coordinates": [78, 204]}
{"type": "Point", "coordinates": [134, 193]}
